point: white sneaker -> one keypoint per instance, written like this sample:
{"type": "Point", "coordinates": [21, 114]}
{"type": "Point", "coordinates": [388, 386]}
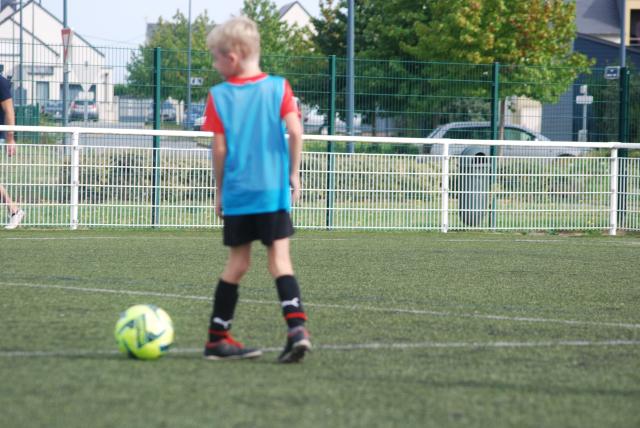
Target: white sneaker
{"type": "Point", "coordinates": [15, 220]}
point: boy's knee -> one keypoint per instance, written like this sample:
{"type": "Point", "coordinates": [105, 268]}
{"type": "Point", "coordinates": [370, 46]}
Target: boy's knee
{"type": "Point", "coordinates": [279, 267]}
{"type": "Point", "coordinates": [235, 270]}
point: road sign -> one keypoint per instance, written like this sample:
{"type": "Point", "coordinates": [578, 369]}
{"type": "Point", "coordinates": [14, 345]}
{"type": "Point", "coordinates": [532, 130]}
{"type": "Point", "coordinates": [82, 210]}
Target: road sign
{"type": "Point", "coordinates": [197, 81]}
{"type": "Point", "coordinates": [67, 36]}
{"type": "Point", "coordinates": [584, 99]}
{"type": "Point", "coordinates": [612, 73]}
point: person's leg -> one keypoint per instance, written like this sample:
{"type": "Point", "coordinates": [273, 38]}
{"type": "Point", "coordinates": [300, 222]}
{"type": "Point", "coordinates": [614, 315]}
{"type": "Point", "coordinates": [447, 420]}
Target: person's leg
{"type": "Point", "coordinates": [14, 210]}
{"type": "Point", "coordinates": [4, 196]}
{"type": "Point", "coordinates": [281, 268]}
{"type": "Point", "coordinates": [226, 294]}
{"type": "Point", "coordinates": [221, 345]}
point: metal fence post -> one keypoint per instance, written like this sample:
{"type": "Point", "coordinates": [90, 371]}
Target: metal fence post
{"type": "Point", "coordinates": [157, 102]}
{"type": "Point", "coordinates": [75, 178]}
{"type": "Point", "coordinates": [495, 119]}
{"type": "Point", "coordinates": [613, 205]}
{"type": "Point", "coordinates": [445, 188]}
{"type": "Point", "coordinates": [331, 131]}
{"type": "Point", "coordinates": [495, 103]}
{"type": "Point", "coordinates": [623, 136]}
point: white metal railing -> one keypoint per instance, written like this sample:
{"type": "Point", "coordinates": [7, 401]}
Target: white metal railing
{"type": "Point", "coordinates": [112, 183]}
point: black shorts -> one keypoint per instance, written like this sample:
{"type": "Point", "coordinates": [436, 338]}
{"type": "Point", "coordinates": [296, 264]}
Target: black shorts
{"type": "Point", "coordinates": [267, 227]}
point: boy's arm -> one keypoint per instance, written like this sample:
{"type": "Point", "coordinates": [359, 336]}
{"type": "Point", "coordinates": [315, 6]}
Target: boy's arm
{"type": "Point", "coordinates": [9, 119]}
{"type": "Point", "coordinates": [294, 128]}
{"type": "Point", "coordinates": [219, 154]}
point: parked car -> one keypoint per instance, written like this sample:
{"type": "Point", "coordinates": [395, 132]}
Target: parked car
{"type": "Point", "coordinates": [52, 109]}
{"type": "Point", "coordinates": [315, 122]}
{"type": "Point", "coordinates": [482, 131]}
{"type": "Point", "coordinates": [194, 111]}
{"type": "Point", "coordinates": [79, 108]}
{"type": "Point", "coordinates": [197, 124]}
{"type": "Point", "coordinates": [167, 112]}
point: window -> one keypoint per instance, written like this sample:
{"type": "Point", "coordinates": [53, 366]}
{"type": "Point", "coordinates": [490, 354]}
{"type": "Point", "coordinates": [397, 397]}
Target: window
{"type": "Point", "coordinates": [517, 134]}
{"type": "Point", "coordinates": [471, 133]}
{"type": "Point", "coordinates": [634, 34]}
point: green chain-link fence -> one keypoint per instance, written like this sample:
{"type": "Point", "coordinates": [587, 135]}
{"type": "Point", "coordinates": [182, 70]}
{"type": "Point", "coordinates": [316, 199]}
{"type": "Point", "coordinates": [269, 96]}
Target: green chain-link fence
{"type": "Point", "coordinates": [393, 98]}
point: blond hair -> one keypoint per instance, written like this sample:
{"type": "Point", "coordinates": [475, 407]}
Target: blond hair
{"type": "Point", "coordinates": [238, 35]}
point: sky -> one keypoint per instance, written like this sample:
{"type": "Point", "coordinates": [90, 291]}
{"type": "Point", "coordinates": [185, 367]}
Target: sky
{"type": "Point", "coordinates": [122, 23]}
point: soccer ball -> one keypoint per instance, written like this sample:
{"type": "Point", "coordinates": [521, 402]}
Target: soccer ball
{"type": "Point", "coordinates": [144, 332]}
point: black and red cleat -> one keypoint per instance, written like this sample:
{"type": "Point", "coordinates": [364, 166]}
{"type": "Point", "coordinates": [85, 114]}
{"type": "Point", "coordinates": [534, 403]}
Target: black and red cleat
{"type": "Point", "coordinates": [298, 344]}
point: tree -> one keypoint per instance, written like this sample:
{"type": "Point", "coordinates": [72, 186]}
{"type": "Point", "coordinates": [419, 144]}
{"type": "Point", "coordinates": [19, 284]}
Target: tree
{"type": "Point", "coordinates": [281, 45]}
{"type": "Point", "coordinates": [277, 38]}
{"type": "Point", "coordinates": [455, 43]}
{"type": "Point", "coordinates": [533, 40]}
{"type": "Point", "coordinates": [380, 27]}
{"type": "Point", "coordinates": [172, 37]}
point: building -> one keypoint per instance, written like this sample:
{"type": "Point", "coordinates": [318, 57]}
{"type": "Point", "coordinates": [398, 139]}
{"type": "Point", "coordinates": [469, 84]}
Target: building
{"type": "Point", "coordinates": [600, 19]}
{"type": "Point", "coordinates": [294, 14]}
{"type": "Point", "coordinates": [598, 25]}
{"type": "Point", "coordinates": [35, 67]}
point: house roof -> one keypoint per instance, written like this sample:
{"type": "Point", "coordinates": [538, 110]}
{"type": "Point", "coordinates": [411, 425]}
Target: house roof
{"type": "Point", "coordinates": [598, 16]}
{"type": "Point", "coordinates": [16, 13]}
{"type": "Point", "coordinates": [35, 37]}
{"type": "Point", "coordinates": [284, 9]}
{"type": "Point", "coordinates": [630, 49]}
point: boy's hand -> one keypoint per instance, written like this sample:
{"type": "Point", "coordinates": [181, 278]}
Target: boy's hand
{"type": "Point", "coordinates": [294, 182]}
{"type": "Point", "coordinates": [11, 147]}
{"type": "Point", "coordinates": [219, 204]}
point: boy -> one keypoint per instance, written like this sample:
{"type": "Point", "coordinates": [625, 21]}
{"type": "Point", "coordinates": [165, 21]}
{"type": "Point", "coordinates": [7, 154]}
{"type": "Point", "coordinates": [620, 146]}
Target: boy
{"type": "Point", "coordinates": [257, 176]}
{"type": "Point", "coordinates": [7, 117]}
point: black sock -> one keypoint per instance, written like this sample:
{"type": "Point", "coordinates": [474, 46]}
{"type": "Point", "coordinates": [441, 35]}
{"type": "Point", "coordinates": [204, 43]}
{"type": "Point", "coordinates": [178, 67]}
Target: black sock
{"type": "Point", "coordinates": [224, 305]}
{"type": "Point", "coordinates": [289, 294]}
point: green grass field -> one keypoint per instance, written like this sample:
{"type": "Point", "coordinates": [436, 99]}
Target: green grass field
{"type": "Point", "coordinates": [409, 329]}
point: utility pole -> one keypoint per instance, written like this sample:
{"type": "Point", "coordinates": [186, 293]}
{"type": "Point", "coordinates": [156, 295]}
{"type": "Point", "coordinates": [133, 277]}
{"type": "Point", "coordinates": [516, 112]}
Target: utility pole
{"type": "Point", "coordinates": [20, 68]}
{"type": "Point", "coordinates": [350, 72]}
{"type": "Point", "coordinates": [186, 112]}
{"type": "Point", "coordinates": [623, 34]}
{"type": "Point", "coordinates": [65, 76]}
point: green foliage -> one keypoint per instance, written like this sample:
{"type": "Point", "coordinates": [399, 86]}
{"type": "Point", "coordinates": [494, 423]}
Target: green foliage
{"type": "Point", "coordinates": [276, 36]}
{"type": "Point", "coordinates": [172, 37]}
{"type": "Point", "coordinates": [533, 39]}
{"type": "Point", "coordinates": [605, 113]}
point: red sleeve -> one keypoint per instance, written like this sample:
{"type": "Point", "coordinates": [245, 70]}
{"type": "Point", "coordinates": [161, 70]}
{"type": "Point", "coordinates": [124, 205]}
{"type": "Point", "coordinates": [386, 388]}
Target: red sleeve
{"type": "Point", "coordinates": [289, 103]}
{"type": "Point", "coordinates": [212, 121]}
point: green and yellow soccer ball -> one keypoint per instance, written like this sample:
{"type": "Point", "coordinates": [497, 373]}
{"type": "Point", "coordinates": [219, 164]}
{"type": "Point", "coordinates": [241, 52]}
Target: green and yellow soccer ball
{"type": "Point", "coordinates": [144, 332]}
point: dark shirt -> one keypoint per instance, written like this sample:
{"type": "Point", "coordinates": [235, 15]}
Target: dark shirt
{"type": "Point", "coordinates": [5, 94]}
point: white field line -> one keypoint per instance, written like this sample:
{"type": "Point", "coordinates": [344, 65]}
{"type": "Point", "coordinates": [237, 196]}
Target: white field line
{"type": "Point", "coordinates": [336, 306]}
{"type": "Point", "coordinates": [355, 347]}
{"type": "Point", "coordinates": [143, 238]}
{"type": "Point", "coordinates": [610, 242]}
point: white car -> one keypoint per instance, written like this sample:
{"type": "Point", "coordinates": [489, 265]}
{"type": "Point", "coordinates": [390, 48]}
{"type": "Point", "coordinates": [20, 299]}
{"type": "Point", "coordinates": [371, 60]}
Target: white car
{"type": "Point", "coordinates": [315, 122]}
{"type": "Point", "coordinates": [198, 122]}
{"type": "Point", "coordinates": [482, 131]}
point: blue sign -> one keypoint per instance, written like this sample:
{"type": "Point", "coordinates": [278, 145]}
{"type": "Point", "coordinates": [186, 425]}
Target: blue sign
{"type": "Point", "coordinates": [612, 73]}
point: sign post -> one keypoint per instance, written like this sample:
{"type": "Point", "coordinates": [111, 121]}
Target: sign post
{"type": "Point", "coordinates": [67, 36]}
{"type": "Point", "coordinates": [585, 100]}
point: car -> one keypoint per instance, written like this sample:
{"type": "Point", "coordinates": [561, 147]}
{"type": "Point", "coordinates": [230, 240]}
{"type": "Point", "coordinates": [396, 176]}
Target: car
{"type": "Point", "coordinates": [195, 111]}
{"type": "Point", "coordinates": [167, 112]}
{"type": "Point", "coordinates": [482, 131]}
{"type": "Point", "coordinates": [315, 122]}
{"type": "Point", "coordinates": [83, 109]}
{"type": "Point", "coordinates": [52, 109]}
{"type": "Point", "coordinates": [197, 124]}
